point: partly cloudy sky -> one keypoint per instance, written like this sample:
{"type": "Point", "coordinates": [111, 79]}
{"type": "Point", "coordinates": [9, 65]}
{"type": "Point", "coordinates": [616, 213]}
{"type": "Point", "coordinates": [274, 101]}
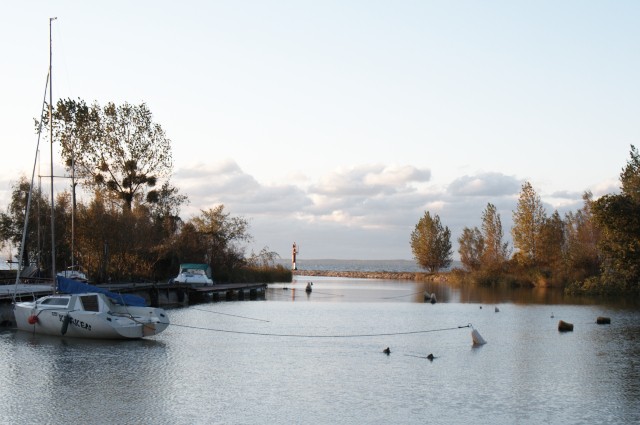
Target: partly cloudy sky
{"type": "Point", "coordinates": [337, 124]}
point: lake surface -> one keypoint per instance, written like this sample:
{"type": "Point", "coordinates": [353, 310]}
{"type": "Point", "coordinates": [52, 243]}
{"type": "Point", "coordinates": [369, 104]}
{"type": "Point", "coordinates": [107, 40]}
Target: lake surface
{"type": "Point", "coordinates": [298, 358]}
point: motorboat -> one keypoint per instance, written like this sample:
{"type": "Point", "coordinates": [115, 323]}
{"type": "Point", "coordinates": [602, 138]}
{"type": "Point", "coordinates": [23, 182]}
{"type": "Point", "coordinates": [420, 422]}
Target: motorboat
{"type": "Point", "coordinates": [195, 274]}
{"type": "Point", "coordinates": [89, 312]}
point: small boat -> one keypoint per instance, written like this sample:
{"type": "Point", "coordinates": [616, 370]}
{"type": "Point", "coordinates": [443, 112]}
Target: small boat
{"type": "Point", "coordinates": [84, 311]}
{"type": "Point", "coordinates": [194, 274]}
{"type": "Point", "coordinates": [75, 273]}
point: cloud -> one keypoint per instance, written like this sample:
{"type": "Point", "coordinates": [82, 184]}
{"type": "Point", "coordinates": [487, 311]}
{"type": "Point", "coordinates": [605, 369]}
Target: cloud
{"type": "Point", "coordinates": [485, 184]}
{"type": "Point", "coordinates": [365, 211]}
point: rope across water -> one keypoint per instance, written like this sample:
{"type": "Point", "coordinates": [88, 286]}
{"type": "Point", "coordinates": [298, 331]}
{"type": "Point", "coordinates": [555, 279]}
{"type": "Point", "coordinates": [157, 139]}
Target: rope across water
{"type": "Point", "coordinates": [321, 336]}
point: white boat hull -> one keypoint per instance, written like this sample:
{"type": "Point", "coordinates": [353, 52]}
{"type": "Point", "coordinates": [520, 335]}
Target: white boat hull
{"type": "Point", "coordinates": [111, 322]}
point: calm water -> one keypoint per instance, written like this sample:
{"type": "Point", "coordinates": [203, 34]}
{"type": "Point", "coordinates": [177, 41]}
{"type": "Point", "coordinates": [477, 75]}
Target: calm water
{"type": "Point", "coordinates": [317, 359]}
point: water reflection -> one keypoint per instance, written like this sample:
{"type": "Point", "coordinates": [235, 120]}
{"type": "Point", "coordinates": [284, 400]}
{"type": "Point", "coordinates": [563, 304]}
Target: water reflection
{"type": "Point", "coordinates": [335, 289]}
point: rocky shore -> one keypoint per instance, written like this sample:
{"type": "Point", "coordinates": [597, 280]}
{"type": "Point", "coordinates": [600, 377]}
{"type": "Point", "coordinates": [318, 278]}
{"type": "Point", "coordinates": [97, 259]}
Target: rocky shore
{"type": "Point", "coordinates": [373, 275]}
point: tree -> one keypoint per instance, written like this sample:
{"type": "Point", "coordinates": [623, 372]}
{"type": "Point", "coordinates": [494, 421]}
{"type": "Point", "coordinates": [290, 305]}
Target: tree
{"type": "Point", "coordinates": [618, 218]}
{"type": "Point", "coordinates": [528, 219]}
{"type": "Point", "coordinates": [472, 248]}
{"type": "Point", "coordinates": [630, 175]}
{"type": "Point", "coordinates": [116, 148]}
{"type": "Point", "coordinates": [220, 235]}
{"type": "Point", "coordinates": [431, 243]}
{"type": "Point", "coordinates": [496, 252]}
{"type": "Point", "coordinates": [37, 249]}
{"type": "Point", "coordinates": [552, 244]}
{"type": "Point", "coordinates": [582, 237]}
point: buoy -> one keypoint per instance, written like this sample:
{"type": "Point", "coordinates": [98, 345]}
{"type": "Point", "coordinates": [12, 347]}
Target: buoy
{"type": "Point", "coordinates": [477, 338]}
{"type": "Point", "coordinates": [387, 351]}
{"type": "Point", "coordinates": [565, 326]}
{"type": "Point", "coordinates": [65, 324]}
{"type": "Point", "coordinates": [33, 319]}
{"type": "Point", "coordinates": [601, 320]}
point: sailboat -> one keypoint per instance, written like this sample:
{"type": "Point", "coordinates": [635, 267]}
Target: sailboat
{"type": "Point", "coordinates": [80, 310]}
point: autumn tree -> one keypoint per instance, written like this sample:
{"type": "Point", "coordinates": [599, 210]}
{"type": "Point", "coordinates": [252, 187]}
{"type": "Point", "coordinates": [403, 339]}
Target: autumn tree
{"type": "Point", "coordinates": [496, 252]}
{"type": "Point", "coordinates": [431, 243]}
{"type": "Point", "coordinates": [528, 219]}
{"type": "Point", "coordinates": [582, 236]}
{"type": "Point", "coordinates": [472, 248]}
{"type": "Point", "coordinates": [551, 252]}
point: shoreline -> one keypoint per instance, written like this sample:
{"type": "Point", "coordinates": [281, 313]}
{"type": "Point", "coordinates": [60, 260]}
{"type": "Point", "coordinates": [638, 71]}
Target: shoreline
{"type": "Point", "coordinates": [422, 276]}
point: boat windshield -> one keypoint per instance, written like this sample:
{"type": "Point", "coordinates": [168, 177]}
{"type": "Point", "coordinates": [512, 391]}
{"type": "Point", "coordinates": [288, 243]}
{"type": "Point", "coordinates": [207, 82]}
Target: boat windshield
{"type": "Point", "coordinates": [56, 301]}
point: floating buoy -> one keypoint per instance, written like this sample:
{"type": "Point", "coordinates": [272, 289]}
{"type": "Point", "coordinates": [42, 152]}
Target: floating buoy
{"type": "Point", "coordinates": [33, 319]}
{"type": "Point", "coordinates": [565, 326]}
{"type": "Point", "coordinates": [601, 320]}
{"type": "Point", "coordinates": [477, 338]}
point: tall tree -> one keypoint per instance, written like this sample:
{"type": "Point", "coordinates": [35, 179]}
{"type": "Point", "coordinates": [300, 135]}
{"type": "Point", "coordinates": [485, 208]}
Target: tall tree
{"type": "Point", "coordinates": [472, 248]}
{"type": "Point", "coordinates": [582, 236]}
{"type": "Point", "coordinates": [12, 223]}
{"type": "Point", "coordinates": [630, 175]}
{"type": "Point", "coordinates": [117, 148]}
{"type": "Point", "coordinates": [221, 235]}
{"type": "Point", "coordinates": [552, 244]}
{"type": "Point", "coordinates": [618, 217]}
{"type": "Point", "coordinates": [431, 243]}
{"type": "Point", "coordinates": [528, 219]}
{"type": "Point", "coordinates": [496, 252]}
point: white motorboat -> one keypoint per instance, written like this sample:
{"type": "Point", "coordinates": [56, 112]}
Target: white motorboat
{"type": "Point", "coordinates": [97, 315]}
{"type": "Point", "coordinates": [194, 274]}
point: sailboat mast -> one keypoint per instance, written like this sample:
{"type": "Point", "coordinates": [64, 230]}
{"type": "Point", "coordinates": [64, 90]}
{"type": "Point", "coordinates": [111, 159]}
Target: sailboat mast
{"type": "Point", "coordinates": [53, 230]}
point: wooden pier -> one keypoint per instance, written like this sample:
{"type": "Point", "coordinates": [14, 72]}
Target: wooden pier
{"type": "Point", "coordinates": [155, 294]}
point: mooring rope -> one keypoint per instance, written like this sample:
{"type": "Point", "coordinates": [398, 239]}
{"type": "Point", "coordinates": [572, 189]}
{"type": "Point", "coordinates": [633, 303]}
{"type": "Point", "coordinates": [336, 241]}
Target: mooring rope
{"type": "Point", "coordinates": [227, 314]}
{"type": "Point", "coordinates": [320, 336]}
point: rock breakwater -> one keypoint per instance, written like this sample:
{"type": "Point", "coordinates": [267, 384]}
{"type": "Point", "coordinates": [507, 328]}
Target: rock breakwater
{"type": "Point", "coordinates": [374, 275]}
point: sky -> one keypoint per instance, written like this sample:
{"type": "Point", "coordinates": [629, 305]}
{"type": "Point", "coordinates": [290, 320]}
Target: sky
{"type": "Point", "coordinates": [338, 124]}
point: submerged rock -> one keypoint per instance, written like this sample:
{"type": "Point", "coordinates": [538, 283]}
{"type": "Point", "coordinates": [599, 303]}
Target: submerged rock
{"type": "Point", "coordinates": [565, 326]}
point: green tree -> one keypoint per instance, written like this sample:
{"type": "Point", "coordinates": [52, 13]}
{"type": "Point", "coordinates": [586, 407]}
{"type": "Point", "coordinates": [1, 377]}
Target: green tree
{"type": "Point", "coordinates": [431, 243]}
{"type": "Point", "coordinates": [472, 248]}
{"type": "Point", "coordinates": [496, 252]}
{"type": "Point", "coordinates": [618, 218]}
{"type": "Point", "coordinates": [12, 223]}
{"type": "Point", "coordinates": [528, 219]}
{"type": "Point", "coordinates": [116, 148]}
{"type": "Point", "coordinates": [221, 236]}
{"type": "Point", "coordinates": [630, 175]}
